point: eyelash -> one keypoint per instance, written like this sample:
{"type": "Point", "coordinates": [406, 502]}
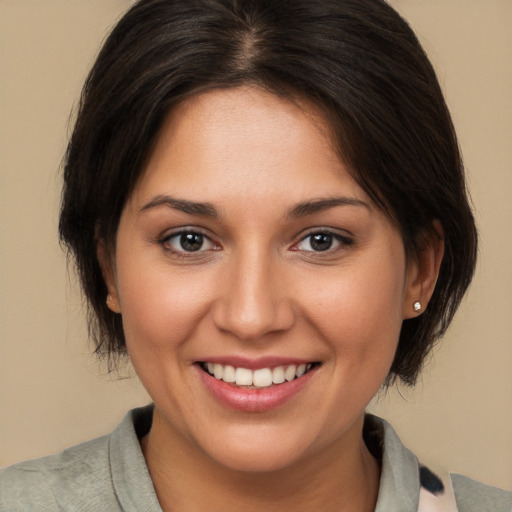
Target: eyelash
{"type": "Point", "coordinates": [333, 238]}
{"type": "Point", "coordinates": [166, 243]}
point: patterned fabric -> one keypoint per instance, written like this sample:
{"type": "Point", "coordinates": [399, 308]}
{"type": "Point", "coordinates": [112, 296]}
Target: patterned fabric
{"type": "Point", "coordinates": [435, 495]}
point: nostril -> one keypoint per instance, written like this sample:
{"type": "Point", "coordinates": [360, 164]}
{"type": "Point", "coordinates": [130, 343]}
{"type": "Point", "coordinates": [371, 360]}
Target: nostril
{"type": "Point", "coordinates": [253, 316]}
{"type": "Point", "coordinates": [252, 322]}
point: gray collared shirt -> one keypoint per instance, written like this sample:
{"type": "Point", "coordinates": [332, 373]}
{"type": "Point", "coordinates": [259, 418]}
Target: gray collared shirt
{"type": "Point", "coordinates": [110, 474]}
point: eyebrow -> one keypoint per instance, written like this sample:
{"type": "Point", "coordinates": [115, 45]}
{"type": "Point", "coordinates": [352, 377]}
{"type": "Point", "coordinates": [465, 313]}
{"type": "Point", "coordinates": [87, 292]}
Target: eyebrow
{"type": "Point", "coordinates": [318, 205]}
{"type": "Point", "coordinates": [208, 210]}
{"type": "Point", "coordinates": [190, 207]}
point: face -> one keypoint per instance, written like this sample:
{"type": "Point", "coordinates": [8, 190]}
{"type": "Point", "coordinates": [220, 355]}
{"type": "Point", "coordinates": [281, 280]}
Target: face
{"type": "Point", "coordinates": [261, 291]}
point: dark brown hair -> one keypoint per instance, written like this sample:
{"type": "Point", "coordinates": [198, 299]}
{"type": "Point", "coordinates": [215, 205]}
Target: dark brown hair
{"type": "Point", "coordinates": [357, 60]}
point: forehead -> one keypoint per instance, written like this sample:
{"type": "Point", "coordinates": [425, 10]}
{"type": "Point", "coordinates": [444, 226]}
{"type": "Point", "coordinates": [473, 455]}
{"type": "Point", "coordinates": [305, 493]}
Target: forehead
{"type": "Point", "coordinates": [248, 141]}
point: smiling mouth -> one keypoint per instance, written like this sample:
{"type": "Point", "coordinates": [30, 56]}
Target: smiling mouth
{"type": "Point", "coordinates": [256, 379]}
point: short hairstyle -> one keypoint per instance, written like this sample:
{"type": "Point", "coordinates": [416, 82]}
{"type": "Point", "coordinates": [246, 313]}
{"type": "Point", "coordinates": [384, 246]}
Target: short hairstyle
{"type": "Point", "coordinates": [356, 60]}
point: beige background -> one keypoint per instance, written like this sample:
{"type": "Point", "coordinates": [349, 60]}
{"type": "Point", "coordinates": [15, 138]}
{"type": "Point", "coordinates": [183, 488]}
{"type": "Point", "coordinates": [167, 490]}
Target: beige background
{"type": "Point", "coordinates": [52, 393]}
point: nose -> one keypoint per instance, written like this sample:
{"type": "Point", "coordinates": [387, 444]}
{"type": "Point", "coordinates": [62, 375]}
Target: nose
{"type": "Point", "coordinates": [255, 300]}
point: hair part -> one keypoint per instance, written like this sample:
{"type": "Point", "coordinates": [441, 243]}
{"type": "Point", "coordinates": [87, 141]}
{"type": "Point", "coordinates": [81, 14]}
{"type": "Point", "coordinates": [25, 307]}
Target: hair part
{"type": "Point", "coordinates": [356, 60]}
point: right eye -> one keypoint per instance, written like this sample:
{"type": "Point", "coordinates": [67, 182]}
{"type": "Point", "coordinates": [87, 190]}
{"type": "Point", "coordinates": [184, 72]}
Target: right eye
{"type": "Point", "coordinates": [187, 242]}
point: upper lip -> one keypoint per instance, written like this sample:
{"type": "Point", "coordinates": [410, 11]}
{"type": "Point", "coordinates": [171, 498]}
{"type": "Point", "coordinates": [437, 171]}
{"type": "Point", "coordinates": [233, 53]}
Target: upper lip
{"type": "Point", "coordinates": [255, 363]}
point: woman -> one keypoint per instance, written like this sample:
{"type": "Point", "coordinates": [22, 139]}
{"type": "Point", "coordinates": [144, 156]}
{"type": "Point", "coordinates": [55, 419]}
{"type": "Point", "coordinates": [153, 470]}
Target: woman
{"type": "Point", "coordinates": [267, 208]}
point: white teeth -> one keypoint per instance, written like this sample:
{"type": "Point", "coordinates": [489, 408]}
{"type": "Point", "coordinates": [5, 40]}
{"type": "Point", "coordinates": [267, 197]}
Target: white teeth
{"type": "Point", "coordinates": [218, 371]}
{"type": "Point", "coordinates": [289, 373]}
{"type": "Point", "coordinates": [229, 374]}
{"type": "Point", "coordinates": [301, 370]}
{"type": "Point", "coordinates": [278, 375]}
{"type": "Point", "coordinates": [261, 378]}
{"type": "Point", "coordinates": [243, 377]}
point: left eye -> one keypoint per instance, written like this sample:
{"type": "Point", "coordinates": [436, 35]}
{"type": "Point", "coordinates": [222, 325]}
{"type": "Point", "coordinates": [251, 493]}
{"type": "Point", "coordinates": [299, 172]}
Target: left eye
{"type": "Point", "coordinates": [321, 242]}
{"type": "Point", "coordinates": [189, 241]}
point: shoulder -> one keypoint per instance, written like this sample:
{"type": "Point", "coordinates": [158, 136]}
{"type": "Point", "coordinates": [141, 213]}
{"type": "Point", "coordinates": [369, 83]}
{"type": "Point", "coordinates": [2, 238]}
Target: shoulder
{"type": "Point", "coordinates": [52, 482]}
{"type": "Point", "coordinates": [107, 473]}
{"type": "Point", "coordinates": [405, 482]}
{"type": "Point", "coordinates": [473, 496]}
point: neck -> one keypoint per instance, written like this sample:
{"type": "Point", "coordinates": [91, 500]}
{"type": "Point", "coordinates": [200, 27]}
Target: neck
{"type": "Point", "coordinates": [343, 477]}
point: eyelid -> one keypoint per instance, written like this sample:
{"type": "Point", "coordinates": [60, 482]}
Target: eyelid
{"type": "Point", "coordinates": [341, 239]}
{"type": "Point", "coordinates": [164, 241]}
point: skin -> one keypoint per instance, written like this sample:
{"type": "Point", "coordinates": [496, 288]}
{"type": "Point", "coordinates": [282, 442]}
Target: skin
{"type": "Point", "coordinates": [258, 288]}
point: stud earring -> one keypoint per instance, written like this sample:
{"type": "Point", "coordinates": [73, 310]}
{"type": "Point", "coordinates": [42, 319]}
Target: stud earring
{"type": "Point", "coordinates": [417, 306]}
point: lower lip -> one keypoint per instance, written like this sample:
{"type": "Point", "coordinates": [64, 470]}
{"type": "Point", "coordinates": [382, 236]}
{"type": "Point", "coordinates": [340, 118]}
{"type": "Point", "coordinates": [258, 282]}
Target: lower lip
{"type": "Point", "coordinates": [254, 400]}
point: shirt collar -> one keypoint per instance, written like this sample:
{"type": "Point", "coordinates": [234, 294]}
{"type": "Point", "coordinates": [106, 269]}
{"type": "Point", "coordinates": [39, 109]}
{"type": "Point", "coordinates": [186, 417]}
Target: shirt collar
{"type": "Point", "coordinates": [398, 488]}
{"type": "Point", "coordinates": [399, 482]}
{"type": "Point", "coordinates": [130, 476]}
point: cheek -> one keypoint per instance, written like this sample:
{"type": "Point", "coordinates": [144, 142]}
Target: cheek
{"type": "Point", "coordinates": [159, 308]}
{"type": "Point", "coordinates": [360, 312]}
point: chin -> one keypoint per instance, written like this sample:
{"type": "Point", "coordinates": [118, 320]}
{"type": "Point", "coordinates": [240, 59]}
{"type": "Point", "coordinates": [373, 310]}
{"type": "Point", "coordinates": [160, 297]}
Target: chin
{"type": "Point", "coordinates": [262, 447]}
{"type": "Point", "coordinates": [256, 459]}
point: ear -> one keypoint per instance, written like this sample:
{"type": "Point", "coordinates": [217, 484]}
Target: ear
{"type": "Point", "coordinates": [107, 266]}
{"type": "Point", "coordinates": [423, 271]}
